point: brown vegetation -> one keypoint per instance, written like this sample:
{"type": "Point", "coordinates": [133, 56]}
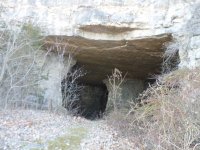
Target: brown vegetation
{"type": "Point", "coordinates": [168, 115]}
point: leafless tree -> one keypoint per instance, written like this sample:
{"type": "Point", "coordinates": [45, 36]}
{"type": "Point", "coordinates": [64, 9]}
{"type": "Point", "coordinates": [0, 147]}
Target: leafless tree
{"type": "Point", "coordinates": [20, 43]}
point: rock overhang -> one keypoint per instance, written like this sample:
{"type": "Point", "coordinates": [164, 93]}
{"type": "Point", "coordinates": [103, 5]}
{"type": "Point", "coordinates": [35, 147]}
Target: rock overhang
{"type": "Point", "coordinates": [103, 35]}
{"type": "Point", "coordinates": [139, 58]}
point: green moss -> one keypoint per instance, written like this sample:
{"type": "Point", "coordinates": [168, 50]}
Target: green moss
{"type": "Point", "coordinates": [33, 34]}
{"type": "Point", "coordinates": [70, 141]}
{"type": "Point", "coordinates": [31, 30]}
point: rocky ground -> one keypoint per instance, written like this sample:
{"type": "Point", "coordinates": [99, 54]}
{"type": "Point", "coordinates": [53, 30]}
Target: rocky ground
{"type": "Point", "coordinates": [41, 130]}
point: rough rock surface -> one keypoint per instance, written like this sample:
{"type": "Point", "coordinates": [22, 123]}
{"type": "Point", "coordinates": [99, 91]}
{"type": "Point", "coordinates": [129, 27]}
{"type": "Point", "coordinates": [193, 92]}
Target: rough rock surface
{"type": "Point", "coordinates": [139, 57]}
{"type": "Point", "coordinates": [54, 69]}
{"type": "Point", "coordinates": [109, 21]}
{"type": "Point", "coordinates": [190, 46]}
{"type": "Point", "coordinates": [105, 34]}
{"type": "Point", "coordinates": [128, 92]}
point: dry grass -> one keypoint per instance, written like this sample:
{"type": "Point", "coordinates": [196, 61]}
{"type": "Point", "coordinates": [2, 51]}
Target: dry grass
{"type": "Point", "coordinates": [114, 84]}
{"type": "Point", "coordinates": [168, 116]}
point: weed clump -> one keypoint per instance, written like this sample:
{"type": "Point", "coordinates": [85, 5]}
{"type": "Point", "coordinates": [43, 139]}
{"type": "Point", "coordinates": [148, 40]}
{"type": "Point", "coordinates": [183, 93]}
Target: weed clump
{"type": "Point", "coordinates": [167, 116]}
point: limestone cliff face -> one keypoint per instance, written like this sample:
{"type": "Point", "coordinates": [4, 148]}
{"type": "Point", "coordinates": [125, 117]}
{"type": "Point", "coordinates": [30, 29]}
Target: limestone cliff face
{"type": "Point", "coordinates": [104, 19]}
{"type": "Point", "coordinates": [126, 34]}
{"type": "Point", "coordinates": [103, 28]}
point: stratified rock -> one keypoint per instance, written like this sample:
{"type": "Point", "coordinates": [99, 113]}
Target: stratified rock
{"type": "Point", "coordinates": [105, 34]}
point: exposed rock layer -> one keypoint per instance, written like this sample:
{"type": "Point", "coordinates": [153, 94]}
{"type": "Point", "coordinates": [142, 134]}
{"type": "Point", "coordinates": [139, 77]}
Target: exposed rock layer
{"type": "Point", "coordinates": [126, 93]}
{"type": "Point", "coordinates": [124, 34]}
{"type": "Point", "coordinates": [138, 58]}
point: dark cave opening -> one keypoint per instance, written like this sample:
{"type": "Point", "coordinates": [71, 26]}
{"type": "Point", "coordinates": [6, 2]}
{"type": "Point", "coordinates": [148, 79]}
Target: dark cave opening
{"type": "Point", "coordinates": [93, 100]}
{"type": "Point", "coordinates": [82, 98]}
{"type": "Point", "coordinates": [88, 95]}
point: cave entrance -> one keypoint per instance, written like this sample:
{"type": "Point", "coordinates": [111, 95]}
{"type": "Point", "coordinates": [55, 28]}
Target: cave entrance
{"type": "Point", "coordinates": [93, 100]}
{"type": "Point", "coordinates": [83, 98]}
{"type": "Point", "coordinates": [140, 58]}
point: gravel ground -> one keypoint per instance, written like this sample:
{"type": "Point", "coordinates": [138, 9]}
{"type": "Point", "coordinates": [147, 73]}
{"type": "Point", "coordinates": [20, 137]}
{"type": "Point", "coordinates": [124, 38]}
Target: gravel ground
{"type": "Point", "coordinates": [41, 130]}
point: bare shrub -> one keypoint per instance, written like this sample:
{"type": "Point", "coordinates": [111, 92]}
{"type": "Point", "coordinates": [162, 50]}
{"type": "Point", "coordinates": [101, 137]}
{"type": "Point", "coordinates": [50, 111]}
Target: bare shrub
{"type": "Point", "coordinates": [171, 56]}
{"type": "Point", "coordinates": [23, 61]}
{"type": "Point", "coordinates": [168, 116]}
{"type": "Point", "coordinates": [19, 46]}
{"type": "Point", "coordinates": [71, 90]}
{"type": "Point", "coordinates": [23, 64]}
{"type": "Point", "coordinates": [115, 82]}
